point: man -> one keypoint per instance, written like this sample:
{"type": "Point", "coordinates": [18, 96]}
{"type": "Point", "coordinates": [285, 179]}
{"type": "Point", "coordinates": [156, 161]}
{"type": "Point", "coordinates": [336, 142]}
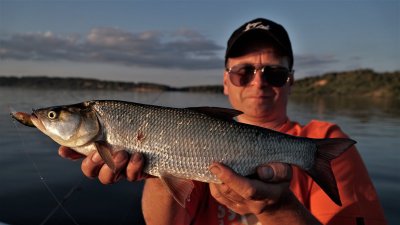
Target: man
{"type": "Point", "coordinates": [257, 81]}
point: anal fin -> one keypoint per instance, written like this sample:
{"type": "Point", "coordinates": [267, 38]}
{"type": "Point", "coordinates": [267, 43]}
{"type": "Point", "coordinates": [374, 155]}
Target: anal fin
{"type": "Point", "coordinates": [179, 188]}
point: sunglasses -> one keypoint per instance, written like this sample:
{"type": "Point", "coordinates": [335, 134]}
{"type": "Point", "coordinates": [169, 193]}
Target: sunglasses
{"type": "Point", "coordinates": [242, 74]}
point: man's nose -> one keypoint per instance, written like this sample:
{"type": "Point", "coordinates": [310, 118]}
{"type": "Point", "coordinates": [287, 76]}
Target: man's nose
{"type": "Point", "coordinates": [258, 79]}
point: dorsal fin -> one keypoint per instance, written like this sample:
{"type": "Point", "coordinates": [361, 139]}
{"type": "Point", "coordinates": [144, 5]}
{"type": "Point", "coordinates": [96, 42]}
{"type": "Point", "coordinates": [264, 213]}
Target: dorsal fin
{"type": "Point", "coordinates": [217, 112]}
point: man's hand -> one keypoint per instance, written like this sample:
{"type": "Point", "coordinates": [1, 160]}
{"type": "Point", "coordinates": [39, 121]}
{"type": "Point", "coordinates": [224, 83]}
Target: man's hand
{"type": "Point", "coordinates": [245, 195]}
{"type": "Point", "coordinates": [93, 165]}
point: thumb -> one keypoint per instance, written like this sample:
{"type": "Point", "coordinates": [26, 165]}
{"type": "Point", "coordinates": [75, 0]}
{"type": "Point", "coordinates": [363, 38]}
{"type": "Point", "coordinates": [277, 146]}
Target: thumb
{"type": "Point", "coordinates": [275, 172]}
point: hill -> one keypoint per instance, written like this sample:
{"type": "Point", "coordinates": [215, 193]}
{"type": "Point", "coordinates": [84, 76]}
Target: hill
{"type": "Point", "coordinates": [43, 82]}
{"type": "Point", "coordinates": [360, 83]}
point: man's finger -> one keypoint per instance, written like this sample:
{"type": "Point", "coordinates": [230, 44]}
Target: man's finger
{"type": "Point", "coordinates": [237, 183]}
{"type": "Point", "coordinates": [135, 166]}
{"type": "Point", "coordinates": [219, 196]}
{"type": "Point", "coordinates": [229, 193]}
{"type": "Point", "coordinates": [225, 174]}
{"type": "Point", "coordinates": [251, 189]}
{"type": "Point", "coordinates": [68, 153]}
{"type": "Point", "coordinates": [107, 175]}
{"type": "Point", "coordinates": [92, 164]}
{"type": "Point", "coordinates": [237, 206]}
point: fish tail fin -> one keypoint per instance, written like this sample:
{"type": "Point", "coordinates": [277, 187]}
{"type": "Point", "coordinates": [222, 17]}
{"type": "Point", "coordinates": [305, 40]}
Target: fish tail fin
{"type": "Point", "coordinates": [327, 150]}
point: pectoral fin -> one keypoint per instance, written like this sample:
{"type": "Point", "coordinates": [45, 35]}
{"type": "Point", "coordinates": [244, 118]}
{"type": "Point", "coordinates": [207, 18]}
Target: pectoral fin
{"type": "Point", "coordinates": [104, 150]}
{"type": "Point", "coordinates": [179, 188]}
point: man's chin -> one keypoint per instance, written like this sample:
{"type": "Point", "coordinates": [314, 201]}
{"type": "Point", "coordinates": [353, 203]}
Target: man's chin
{"type": "Point", "coordinates": [258, 111]}
{"type": "Point", "coordinates": [260, 101]}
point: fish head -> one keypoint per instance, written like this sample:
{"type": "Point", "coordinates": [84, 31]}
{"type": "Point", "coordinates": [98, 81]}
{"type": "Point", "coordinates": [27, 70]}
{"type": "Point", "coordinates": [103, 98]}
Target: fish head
{"type": "Point", "coordinates": [71, 126]}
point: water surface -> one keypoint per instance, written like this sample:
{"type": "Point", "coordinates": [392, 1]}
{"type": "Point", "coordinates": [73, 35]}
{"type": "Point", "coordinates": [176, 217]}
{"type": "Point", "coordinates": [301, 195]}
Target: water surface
{"type": "Point", "coordinates": [33, 176]}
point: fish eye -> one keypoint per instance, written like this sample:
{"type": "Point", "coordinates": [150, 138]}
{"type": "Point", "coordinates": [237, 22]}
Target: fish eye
{"type": "Point", "coordinates": [52, 115]}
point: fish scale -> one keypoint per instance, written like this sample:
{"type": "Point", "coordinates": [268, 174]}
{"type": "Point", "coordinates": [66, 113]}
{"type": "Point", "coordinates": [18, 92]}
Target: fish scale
{"type": "Point", "coordinates": [179, 144]}
{"type": "Point", "coordinates": [184, 143]}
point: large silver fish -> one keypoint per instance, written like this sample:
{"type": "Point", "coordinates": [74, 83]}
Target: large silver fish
{"type": "Point", "coordinates": [180, 144]}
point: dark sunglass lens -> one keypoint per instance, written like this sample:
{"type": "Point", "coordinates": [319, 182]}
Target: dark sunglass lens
{"type": "Point", "coordinates": [276, 77]}
{"type": "Point", "coordinates": [247, 75]}
{"type": "Point", "coordinates": [241, 75]}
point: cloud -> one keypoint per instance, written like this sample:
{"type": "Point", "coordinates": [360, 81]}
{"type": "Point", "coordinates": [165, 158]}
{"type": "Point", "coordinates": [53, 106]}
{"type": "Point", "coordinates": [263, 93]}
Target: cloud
{"type": "Point", "coordinates": [306, 61]}
{"type": "Point", "coordinates": [183, 49]}
{"type": "Point", "coordinates": [315, 64]}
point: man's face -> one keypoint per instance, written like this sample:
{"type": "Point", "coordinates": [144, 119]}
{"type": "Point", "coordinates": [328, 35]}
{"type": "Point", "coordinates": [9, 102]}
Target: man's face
{"type": "Point", "coordinates": [258, 100]}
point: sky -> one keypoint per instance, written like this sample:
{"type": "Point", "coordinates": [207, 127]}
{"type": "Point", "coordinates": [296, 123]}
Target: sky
{"type": "Point", "coordinates": [182, 42]}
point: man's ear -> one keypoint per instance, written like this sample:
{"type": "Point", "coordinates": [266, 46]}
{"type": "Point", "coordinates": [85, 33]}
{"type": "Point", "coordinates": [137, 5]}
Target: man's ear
{"type": "Point", "coordinates": [226, 88]}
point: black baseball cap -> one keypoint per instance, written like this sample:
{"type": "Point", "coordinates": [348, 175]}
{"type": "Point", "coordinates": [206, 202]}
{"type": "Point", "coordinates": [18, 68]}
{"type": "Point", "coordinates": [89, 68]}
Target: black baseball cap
{"type": "Point", "coordinates": [257, 28]}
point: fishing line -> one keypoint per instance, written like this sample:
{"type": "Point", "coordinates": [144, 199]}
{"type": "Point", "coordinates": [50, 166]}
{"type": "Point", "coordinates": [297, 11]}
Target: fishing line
{"type": "Point", "coordinates": [65, 198]}
{"type": "Point", "coordinates": [42, 179]}
{"type": "Point", "coordinates": [157, 98]}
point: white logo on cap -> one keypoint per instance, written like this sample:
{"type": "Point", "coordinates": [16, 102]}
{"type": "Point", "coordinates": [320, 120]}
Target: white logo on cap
{"type": "Point", "coordinates": [256, 25]}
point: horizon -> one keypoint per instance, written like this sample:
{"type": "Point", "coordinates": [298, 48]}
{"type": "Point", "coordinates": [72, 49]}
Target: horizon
{"type": "Point", "coordinates": [189, 85]}
{"type": "Point", "coordinates": [182, 43]}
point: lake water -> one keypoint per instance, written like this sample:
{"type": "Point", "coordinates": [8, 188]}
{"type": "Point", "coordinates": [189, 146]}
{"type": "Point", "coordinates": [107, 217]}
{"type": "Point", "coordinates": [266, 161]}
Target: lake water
{"type": "Point", "coordinates": [39, 187]}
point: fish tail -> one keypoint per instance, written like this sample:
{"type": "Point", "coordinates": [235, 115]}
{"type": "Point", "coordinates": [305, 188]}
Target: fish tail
{"type": "Point", "coordinates": [327, 150]}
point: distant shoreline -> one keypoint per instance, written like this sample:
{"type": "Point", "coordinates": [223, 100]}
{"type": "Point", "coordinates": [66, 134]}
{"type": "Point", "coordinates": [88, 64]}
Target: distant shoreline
{"type": "Point", "coordinates": [72, 83]}
{"type": "Point", "coordinates": [356, 83]}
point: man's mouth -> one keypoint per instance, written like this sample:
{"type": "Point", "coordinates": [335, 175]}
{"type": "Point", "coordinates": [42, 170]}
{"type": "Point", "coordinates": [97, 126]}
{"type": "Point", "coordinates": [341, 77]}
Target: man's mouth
{"type": "Point", "coordinates": [261, 96]}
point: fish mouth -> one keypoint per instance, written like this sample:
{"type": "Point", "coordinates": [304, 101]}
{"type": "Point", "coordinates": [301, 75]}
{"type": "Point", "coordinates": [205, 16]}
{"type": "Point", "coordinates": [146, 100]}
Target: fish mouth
{"type": "Point", "coordinates": [23, 118]}
{"type": "Point", "coordinates": [36, 121]}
